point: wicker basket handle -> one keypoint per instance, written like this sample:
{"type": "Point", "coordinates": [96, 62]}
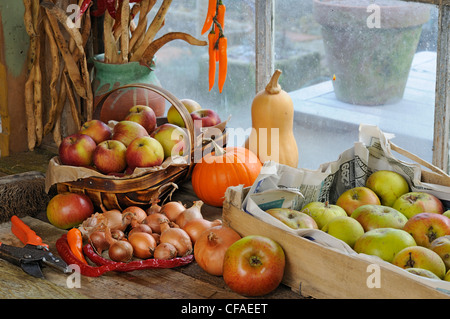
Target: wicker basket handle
{"type": "Point", "coordinates": [166, 95]}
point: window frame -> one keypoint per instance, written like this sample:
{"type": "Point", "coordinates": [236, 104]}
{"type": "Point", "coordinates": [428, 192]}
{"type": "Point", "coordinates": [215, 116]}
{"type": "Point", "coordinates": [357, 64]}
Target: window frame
{"type": "Point", "coordinates": [265, 65]}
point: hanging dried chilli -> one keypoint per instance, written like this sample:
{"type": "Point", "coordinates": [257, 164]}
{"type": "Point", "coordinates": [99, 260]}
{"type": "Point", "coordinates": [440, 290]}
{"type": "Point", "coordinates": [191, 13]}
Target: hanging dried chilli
{"type": "Point", "coordinates": [102, 6]}
{"type": "Point", "coordinates": [223, 62]}
{"type": "Point", "coordinates": [105, 265]}
{"type": "Point", "coordinates": [217, 43]}
{"type": "Point", "coordinates": [212, 59]}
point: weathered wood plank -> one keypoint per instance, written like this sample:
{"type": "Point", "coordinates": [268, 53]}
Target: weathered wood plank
{"type": "Point", "coordinates": [442, 110]}
{"type": "Point", "coordinates": [264, 42]}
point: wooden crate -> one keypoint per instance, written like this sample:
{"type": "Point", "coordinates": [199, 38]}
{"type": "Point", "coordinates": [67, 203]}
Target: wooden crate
{"type": "Point", "coordinates": [320, 272]}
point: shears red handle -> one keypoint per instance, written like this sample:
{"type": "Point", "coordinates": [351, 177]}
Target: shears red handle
{"type": "Point", "coordinates": [25, 233]}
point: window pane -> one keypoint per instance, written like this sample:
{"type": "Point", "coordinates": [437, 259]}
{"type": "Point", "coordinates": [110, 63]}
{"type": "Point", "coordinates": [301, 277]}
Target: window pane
{"type": "Point", "coordinates": [368, 46]}
{"type": "Point", "coordinates": [183, 69]}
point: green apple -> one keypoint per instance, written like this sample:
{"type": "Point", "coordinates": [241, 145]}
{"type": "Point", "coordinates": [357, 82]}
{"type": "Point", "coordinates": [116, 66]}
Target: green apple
{"type": "Point", "coordinates": [174, 117]}
{"type": "Point", "coordinates": [322, 213]}
{"type": "Point", "coordinates": [447, 276]}
{"type": "Point", "coordinates": [423, 273]}
{"type": "Point", "coordinates": [413, 203]}
{"type": "Point", "coordinates": [388, 185]}
{"type": "Point", "coordinates": [293, 218]}
{"type": "Point", "coordinates": [355, 197]}
{"type": "Point", "coordinates": [447, 213]}
{"type": "Point", "coordinates": [384, 242]}
{"type": "Point", "coordinates": [344, 228]}
{"type": "Point", "coordinates": [173, 139]}
{"type": "Point", "coordinates": [420, 257]}
{"type": "Point", "coordinates": [441, 246]}
{"type": "Point", "coordinates": [379, 216]}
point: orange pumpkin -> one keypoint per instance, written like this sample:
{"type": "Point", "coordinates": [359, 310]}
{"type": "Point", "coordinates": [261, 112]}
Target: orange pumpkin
{"type": "Point", "coordinates": [222, 168]}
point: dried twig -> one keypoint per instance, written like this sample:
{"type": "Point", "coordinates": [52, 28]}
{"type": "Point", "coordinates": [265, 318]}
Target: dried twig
{"type": "Point", "coordinates": [54, 76]}
{"type": "Point", "coordinates": [125, 26]}
{"type": "Point", "coordinates": [158, 43]}
{"type": "Point", "coordinates": [152, 30]}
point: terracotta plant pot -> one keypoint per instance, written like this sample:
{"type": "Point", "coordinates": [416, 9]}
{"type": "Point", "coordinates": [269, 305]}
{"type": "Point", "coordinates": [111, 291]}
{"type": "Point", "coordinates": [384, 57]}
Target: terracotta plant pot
{"type": "Point", "coordinates": [371, 62]}
{"type": "Point", "coordinates": [110, 76]}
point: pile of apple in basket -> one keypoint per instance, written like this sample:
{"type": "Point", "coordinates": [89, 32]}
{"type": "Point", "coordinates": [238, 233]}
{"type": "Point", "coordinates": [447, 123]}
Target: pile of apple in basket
{"type": "Point", "coordinates": [135, 141]}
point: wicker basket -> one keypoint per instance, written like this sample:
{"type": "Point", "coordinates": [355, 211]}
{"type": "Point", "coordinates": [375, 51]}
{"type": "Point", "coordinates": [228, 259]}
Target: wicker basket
{"type": "Point", "coordinates": [138, 191]}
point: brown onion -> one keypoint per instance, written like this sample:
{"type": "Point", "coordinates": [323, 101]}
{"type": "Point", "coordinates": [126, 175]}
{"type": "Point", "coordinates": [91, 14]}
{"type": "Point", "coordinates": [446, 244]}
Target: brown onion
{"type": "Point", "coordinates": [137, 214]}
{"type": "Point", "coordinates": [190, 213]}
{"type": "Point", "coordinates": [177, 237]}
{"type": "Point", "coordinates": [154, 208]}
{"type": "Point", "coordinates": [98, 240]}
{"type": "Point", "coordinates": [155, 220]}
{"type": "Point", "coordinates": [115, 219]}
{"type": "Point", "coordinates": [210, 248]}
{"type": "Point", "coordinates": [143, 228]}
{"type": "Point", "coordinates": [117, 234]}
{"type": "Point", "coordinates": [195, 227]}
{"type": "Point", "coordinates": [143, 245]}
{"type": "Point", "coordinates": [172, 210]}
{"type": "Point", "coordinates": [121, 251]}
{"type": "Point", "coordinates": [165, 251]}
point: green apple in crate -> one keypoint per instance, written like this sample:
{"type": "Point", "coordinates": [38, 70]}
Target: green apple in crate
{"type": "Point", "coordinates": [322, 213]}
{"type": "Point", "coordinates": [441, 246]}
{"type": "Point", "coordinates": [420, 257]}
{"type": "Point", "coordinates": [413, 203]}
{"type": "Point", "coordinates": [426, 227]}
{"type": "Point", "coordinates": [379, 216]}
{"type": "Point", "coordinates": [344, 228]}
{"type": "Point", "coordinates": [388, 185]}
{"type": "Point", "coordinates": [293, 218]}
{"type": "Point", "coordinates": [384, 242]}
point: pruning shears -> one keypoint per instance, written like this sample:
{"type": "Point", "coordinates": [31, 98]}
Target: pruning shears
{"type": "Point", "coordinates": [34, 255]}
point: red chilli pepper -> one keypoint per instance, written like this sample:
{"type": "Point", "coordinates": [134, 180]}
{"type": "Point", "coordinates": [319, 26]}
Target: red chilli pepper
{"type": "Point", "coordinates": [212, 59]}
{"type": "Point", "coordinates": [209, 15]}
{"type": "Point", "coordinates": [223, 61]}
{"type": "Point", "coordinates": [111, 6]}
{"type": "Point", "coordinates": [66, 254]}
{"type": "Point", "coordinates": [150, 263]}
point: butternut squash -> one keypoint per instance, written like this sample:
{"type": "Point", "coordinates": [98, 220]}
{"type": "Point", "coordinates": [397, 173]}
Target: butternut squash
{"type": "Point", "coordinates": [272, 136]}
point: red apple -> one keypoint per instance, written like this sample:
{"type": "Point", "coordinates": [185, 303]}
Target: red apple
{"type": "Point", "coordinates": [253, 265]}
{"type": "Point", "coordinates": [426, 227]}
{"type": "Point", "coordinates": [355, 197]}
{"type": "Point", "coordinates": [174, 117]}
{"type": "Point", "coordinates": [379, 216]}
{"type": "Point", "coordinates": [413, 203]}
{"type": "Point", "coordinates": [67, 210]}
{"type": "Point", "coordinates": [143, 115]}
{"type": "Point", "coordinates": [127, 131]}
{"type": "Point", "coordinates": [109, 157]}
{"type": "Point", "coordinates": [77, 150]}
{"type": "Point", "coordinates": [420, 257]}
{"type": "Point", "coordinates": [173, 139]}
{"type": "Point", "coordinates": [144, 151]}
{"type": "Point", "coordinates": [98, 130]}
{"type": "Point", "coordinates": [205, 117]}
